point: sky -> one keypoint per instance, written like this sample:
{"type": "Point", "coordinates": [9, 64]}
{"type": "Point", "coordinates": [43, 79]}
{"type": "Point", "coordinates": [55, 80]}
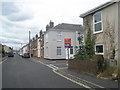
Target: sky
{"type": "Point", "coordinates": [18, 17]}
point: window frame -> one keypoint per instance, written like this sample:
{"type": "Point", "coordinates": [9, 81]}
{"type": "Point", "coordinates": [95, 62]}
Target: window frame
{"type": "Point", "coordinates": [46, 36]}
{"type": "Point", "coordinates": [72, 50]}
{"type": "Point", "coordinates": [59, 34]}
{"type": "Point", "coordinates": [96, 49]}
{"type": "Point", "coordinates": [59, 48]}
{"type": "Point", "coordinates": [94, 23]}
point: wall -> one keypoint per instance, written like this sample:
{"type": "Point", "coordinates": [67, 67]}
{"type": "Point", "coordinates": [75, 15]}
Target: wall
{"type": "Point", "coordinates": [119, 36]}
{"type": "Point", "coordinates": [53, 43]}
{"type": "Point", "coordinates": [109, 17]}
{"type": "Point", "coordinates": [38, 47]}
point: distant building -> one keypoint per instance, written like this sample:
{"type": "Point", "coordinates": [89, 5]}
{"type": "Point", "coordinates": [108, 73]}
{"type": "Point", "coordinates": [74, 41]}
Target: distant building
{"type": "Point", "coordinates": [34, 51]}
{"type": "Point", "coordinates": [54, 47]}
{"type": "Point", "coordinates": [25, 49]}
{"type": "Point", "coordinates": [0, 52]}
{"type": "Point", "coordinates": [40, 45]}
{"type": "Point", "coordinates": [6, 48]}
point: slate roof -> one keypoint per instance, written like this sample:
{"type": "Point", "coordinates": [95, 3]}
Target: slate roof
{"type": "Point", "coordinates": [99, 8]}
{"type": "Point", "coordinates": [65, 26]}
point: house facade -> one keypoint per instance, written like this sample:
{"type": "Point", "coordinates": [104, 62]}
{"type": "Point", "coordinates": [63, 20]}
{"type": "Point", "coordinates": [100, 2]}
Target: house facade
{"type": "Point", "coordinates": [0, 52]}
{"type": "Point", "coordinates": [103, 22]}
{"type": "Point", "coordinates": [41, 44]}
{"type": "Point", "coordinates": [54, 47]}
{"type": "Point", "coordinates": [34, 51]}
{"type": "Point", "coordinates": [6, 48]}
{"type": "Point", "coordinates": [37, 45]}
{"type": "Point", "coordinates": [25, 49]}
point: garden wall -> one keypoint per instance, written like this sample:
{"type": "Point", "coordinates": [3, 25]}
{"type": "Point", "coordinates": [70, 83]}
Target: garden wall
{"type": "Point", "coordinates": [83, 66]}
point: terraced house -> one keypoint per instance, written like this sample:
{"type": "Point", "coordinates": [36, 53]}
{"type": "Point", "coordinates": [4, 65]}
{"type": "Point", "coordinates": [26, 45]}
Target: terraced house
{"type": "Point", "coordinates": [104, 23]}
{"type": "Point", "coordinates": [54, 46]}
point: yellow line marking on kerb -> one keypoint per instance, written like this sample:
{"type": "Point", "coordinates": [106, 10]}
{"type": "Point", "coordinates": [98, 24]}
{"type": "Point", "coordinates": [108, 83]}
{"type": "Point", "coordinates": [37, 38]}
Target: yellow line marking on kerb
{"type": "Point", "coordinates": [87, 81]}
{"type": "Point", "coordinates": [72, 80]}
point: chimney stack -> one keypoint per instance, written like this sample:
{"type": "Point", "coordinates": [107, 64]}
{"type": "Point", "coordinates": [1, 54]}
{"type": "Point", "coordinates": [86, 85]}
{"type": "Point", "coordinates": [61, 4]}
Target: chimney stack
{"type": "Point", "coordinates": [51, 24]}
{"type": "Point", "coordinates": [47, 27]}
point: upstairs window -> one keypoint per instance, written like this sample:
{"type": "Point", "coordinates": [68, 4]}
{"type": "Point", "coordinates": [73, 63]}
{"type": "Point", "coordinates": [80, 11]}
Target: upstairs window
{"type": "Point", "coordinates": [59, 36]}
{"type": "Point", "coordinates": [46, 37]}
{"type": "Point", "coordinates": [97, 22]}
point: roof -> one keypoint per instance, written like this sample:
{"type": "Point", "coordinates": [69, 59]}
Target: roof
{"type": "Point", "coordinates": [65, 26]}
{"type": "Point", "coordinates": [98, 8]}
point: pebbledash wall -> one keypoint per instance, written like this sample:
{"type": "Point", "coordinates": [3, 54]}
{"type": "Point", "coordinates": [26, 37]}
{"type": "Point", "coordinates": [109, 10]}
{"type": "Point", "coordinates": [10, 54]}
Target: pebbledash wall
{"type": "Point", "coordinates": [110, 22]}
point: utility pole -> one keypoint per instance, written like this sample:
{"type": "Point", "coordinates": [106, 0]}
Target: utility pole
{"type": "Point", "coordinates": [29, 45]}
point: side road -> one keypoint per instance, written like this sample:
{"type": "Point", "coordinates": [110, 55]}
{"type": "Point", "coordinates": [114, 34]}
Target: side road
{"type": "Point", "coordinates": [80, 78]}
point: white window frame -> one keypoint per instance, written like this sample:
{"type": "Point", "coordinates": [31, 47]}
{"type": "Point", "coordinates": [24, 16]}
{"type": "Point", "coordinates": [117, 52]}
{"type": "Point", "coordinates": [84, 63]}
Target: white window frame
{"type": "Point", "coordinates": [94, 32]}
{"type": "Point", "coordinates": [46, 36]}
{"type": "Point", "coordinates": [72, 50]}
{"type": "Point", "coordinates": [59, 34]}
{"type": "Point", "coordinates": [47, 51]}
{"type": "Point", "coordinates": [99, 45]}
{"type": "Point", "coordinates": [60, 52]}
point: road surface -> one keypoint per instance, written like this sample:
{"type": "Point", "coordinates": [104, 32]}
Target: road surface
{"type": "Point", "coordinates": [18, 72]}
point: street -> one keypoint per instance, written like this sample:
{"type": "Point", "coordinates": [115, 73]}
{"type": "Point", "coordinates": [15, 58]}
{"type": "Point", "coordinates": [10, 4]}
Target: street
{"type": "Point", "coordinates": [18, 72]}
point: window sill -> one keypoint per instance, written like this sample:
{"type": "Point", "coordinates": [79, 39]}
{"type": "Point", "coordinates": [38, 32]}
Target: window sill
{"type": "Point", "coordinates": [99, 53]}
{"type": "Point", "coordinates": [97, 32]}
{"type": "Point", "coordinates": [59, 40]}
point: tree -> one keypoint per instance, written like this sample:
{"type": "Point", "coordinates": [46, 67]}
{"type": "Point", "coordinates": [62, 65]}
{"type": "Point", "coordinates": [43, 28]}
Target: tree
{"type": "Point", "coordinates": [89, 42]}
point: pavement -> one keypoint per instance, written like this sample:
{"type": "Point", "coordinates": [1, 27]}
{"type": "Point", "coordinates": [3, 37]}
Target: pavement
{"type": "Point", "coordinates": [60, 67]}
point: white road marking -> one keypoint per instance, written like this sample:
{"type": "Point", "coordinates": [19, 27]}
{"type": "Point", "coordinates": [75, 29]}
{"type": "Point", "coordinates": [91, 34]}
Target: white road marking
{"type": "Point", "coordinates": [3, 61]}
{"type": "Point", "coordinates": [56, 68]}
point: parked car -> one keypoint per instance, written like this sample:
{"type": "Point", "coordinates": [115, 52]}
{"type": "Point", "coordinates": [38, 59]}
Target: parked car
{"type": "Point", "coordinates": [21, 54]}
{"type": "Point", "coordinates": [10, 54]}
{"type": "Point", "coordinates": [26, 55]}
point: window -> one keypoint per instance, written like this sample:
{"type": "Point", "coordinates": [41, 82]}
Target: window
{"type": "Point", "coordinates": [99, 49]}
{"type": "Point", "coordinates": [58, 36]}
{"type": "Point", "coordinates": [46, 37]}
{"type": "Point", "coordinates": [58, 51]}
{"type": "Point", "coordinates": [46, 51]}
{"type": "Point", "coordinates": [71, 50]}
{"type": "Point", "coordinates": [97, 20]}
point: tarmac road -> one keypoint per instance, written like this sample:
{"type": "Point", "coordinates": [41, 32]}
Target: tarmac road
{"type": "Point", "coordinates": [18, 72]}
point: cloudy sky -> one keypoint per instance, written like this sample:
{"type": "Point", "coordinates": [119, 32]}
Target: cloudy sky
{"type": "Point", "coordinates": [18, 17]}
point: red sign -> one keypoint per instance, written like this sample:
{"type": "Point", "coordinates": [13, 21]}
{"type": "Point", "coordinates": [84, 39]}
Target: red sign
{"type": "Point", "coordinates": [67, 42]}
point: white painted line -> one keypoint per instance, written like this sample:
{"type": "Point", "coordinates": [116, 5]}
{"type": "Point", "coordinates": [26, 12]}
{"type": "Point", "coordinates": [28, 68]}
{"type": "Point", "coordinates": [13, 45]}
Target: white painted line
{"type": "Point", "coordinates": [63, 68]}
{"type": "Point", "coordinates": [51, 67]}
{"type": "Point", "coordinates": [72, 80]}
{"type": "Point", "coordinates": [54, 66]}
{"type": "Point", "coordinates": [3, 61]}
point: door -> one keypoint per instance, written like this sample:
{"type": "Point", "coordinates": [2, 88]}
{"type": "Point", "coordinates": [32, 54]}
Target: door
{"type": "Point", "coordinates": [71, 56]}
{"type": "Point", "coordinates": [69, 53]}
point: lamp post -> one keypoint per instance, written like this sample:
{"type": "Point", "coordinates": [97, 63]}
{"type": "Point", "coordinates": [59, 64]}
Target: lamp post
{"type": "Point", "coordinates": [29, 45]}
